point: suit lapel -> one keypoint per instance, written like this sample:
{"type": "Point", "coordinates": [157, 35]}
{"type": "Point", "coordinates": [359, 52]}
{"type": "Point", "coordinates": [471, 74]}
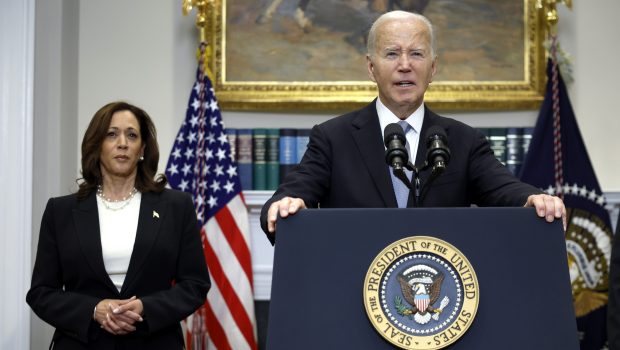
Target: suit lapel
{"type": "Point", "coordinates": [152, 211]}
{"type": "Point", "coordinates": [430, 119]}
{"type": "Point", "coordinates": [86, 220]}
{"type": "Point", "coordinates": [366, 133]}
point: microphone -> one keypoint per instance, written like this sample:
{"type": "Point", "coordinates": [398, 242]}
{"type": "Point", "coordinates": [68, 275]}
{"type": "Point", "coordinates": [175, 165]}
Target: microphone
{"type": "Point", "coordinates": [438, 153]}
{"type": "Point", "coordinates": [396, 154]}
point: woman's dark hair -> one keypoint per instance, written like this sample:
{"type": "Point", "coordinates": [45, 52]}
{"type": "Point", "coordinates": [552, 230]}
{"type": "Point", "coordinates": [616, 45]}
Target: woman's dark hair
{"type": "Point", "coordinates": [91, 150]}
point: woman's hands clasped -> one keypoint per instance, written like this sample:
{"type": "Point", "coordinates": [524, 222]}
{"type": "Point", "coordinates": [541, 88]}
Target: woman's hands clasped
{"type": "Point", "coordinates": [119, 316]}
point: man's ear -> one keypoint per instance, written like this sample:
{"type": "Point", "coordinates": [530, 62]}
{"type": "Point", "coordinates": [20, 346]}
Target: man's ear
{"type": "Point", "coordinates": [433, 68]}
{"type": "Point", "coordinates": [370, 66]}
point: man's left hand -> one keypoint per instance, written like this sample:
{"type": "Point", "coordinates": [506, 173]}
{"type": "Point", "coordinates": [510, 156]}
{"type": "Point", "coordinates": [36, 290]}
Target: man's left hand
{"type": "Point", "coordinates": [548, 207]}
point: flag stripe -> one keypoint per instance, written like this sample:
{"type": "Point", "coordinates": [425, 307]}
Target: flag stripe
{"type": "Point", "coordinates": [218, 337]}
{"type": "Point", "coordinates": [223, 315]}
{"type": "Point", "coordinates": [230, 265]}
{"type": "Point", "coordinates": [237, 205]}
{"type": "Point", "coordinates": [235, 240]}
{"type": "Point", "coordinates": [229, 295]}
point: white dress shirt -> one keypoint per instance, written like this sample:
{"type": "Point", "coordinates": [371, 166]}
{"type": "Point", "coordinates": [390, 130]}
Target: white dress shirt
{"type": "Point", "coordinates": [118, 234]}
{"type": "Point", "coordinates": [414, 120]}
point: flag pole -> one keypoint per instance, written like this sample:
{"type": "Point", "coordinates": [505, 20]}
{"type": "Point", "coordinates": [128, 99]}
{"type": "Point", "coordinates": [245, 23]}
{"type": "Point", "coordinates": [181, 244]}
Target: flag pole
{"type": "Point", "coordinates": [550, 13]}
{"type": "Point", "coordinates": [197, 336]}
{"type": "Point", "coordinates": [201, 15]}
{"type": "Point", "coordinates": [202, 8]}
{"type": "Point", "coordinates": [209, 173]}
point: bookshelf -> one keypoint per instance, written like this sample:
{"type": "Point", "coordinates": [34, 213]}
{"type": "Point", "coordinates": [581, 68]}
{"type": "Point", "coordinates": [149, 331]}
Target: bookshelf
{"type": "Point", "coordinates": [266, 155]}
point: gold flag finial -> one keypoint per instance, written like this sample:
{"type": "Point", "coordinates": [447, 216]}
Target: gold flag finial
{"type": "Point", "coordinates": [201, 14]}
{"type": "Point", "coordinates": [550, 12]}
{"type": "Point", "coordinates": [202, 7]}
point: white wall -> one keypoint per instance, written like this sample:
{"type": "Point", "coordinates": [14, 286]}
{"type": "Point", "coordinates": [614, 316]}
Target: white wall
{"type": "Point", "coordinates": [589, 33]}
{"type": "Point", "coordinates": [16, 119]}
{"type": "Point", "coordinates": [91, 52]}
{"type": "Point", "coordinates": [55, 119]}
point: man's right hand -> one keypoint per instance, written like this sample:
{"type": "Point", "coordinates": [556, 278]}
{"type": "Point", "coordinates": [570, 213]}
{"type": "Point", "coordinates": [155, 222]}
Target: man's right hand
{"type": "Point", "coordinates": [285, 206]}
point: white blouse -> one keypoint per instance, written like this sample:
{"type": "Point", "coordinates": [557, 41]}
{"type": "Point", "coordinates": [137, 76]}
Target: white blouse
{"type": "Point", "coordinates": [118, 234]}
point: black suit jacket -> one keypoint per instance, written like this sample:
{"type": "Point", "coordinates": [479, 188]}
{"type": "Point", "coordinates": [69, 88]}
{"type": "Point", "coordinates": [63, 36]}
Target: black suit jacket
{"type": "Point", "coordinates": [344, 167]}
{"type": "Point", "coordinates": [167, 272]}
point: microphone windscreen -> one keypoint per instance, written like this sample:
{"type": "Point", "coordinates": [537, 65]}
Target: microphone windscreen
{"type": "Point", "coordinates": [392, 131]}
{"type": "Point", "coordinates": [435, 132]}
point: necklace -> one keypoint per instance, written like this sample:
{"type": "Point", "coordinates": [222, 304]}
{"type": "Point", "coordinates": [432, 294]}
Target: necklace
{"type": "Point", "coordinates": [115, 204]}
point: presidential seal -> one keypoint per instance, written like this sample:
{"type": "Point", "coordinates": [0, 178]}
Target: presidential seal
{"type": "Point", "coordinates": [588, 243]}
{"type": "Point", "coordinates": [421, 293]}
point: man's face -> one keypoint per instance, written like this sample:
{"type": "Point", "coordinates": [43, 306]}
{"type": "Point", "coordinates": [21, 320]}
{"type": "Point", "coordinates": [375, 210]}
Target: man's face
{"type": "Point", "coordinates": [402, 64]}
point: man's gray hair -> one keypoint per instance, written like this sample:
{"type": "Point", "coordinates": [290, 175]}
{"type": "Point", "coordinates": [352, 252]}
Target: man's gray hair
{"type": "Point", "coordinates": [372, 35]}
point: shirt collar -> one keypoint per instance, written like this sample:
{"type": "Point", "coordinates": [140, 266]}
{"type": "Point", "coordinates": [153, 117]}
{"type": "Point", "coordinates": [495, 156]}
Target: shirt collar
{"type": "Point", "coordinates": [387, 117]}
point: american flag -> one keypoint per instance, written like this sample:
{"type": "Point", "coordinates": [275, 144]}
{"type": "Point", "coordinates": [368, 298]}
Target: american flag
{"type": "Point", "coordinates": [200, 163]}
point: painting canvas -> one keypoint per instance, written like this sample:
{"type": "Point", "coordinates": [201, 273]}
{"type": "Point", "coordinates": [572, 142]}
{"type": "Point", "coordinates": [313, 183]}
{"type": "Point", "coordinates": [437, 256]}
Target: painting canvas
{"type": "Point", "coordinates": [279, 53]}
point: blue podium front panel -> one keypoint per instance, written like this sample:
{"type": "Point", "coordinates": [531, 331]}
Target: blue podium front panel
{"type": "Point", "coordinates": [322, 258]}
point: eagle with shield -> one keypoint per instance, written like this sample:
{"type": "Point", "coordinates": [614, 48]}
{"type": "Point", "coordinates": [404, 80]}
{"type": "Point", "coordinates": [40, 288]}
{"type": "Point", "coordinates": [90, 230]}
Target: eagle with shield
{"type": "Point", "coordinates": [421, 288]}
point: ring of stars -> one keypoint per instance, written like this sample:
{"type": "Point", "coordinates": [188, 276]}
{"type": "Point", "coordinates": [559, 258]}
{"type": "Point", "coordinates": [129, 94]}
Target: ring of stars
{"type": "Point", "coordinates": [576, 190]}
{"type": "Point", "coordinates": [456, 303]}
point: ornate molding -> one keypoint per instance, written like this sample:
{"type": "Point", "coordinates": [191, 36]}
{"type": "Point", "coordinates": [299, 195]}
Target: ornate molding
{"type": "Point", "coordinates": [337, 95]}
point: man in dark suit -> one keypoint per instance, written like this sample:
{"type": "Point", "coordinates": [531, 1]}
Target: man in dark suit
{"type": "Point", "coordinates": [344, 164]}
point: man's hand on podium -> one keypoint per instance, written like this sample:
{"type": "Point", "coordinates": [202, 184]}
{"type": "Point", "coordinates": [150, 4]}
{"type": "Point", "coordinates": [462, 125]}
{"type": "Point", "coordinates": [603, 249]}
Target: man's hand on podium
{"type": "Point", "coordinates": [285, 206]}
{"type": "Point", "coordinates": [548, 207]}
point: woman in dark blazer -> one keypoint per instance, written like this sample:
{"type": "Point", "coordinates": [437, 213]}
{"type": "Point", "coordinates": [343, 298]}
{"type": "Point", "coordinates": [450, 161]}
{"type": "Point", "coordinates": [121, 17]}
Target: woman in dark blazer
{"type": "Point", "coordinates": [120, 262]}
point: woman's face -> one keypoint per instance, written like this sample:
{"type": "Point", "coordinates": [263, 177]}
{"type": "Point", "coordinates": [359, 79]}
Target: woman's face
{"type": "Point", "coordinates": [122, 146]}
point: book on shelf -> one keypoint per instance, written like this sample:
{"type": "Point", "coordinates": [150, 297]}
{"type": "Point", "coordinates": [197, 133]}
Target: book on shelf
{"type": "Point", "coordinates": [244, 158]}
{"type": "Point", "coordinates": [273, 158]}
{"type": "Point", "coordinates": [288, 151]}
{"type": "Point", "coordinates": [527, 138]}
{"type": "Point", "coordinates": [497, 140]}
{"type": "Point", "coordinates": [231, 134]}
{"type": "Point", "coordinates": [259, 159]}
{"type": "Point", "coordinates": [514, 149]}
{"type": "Point", "coordinates": [302, 139]}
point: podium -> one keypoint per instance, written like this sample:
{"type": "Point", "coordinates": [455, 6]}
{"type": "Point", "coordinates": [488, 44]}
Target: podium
{"type": "Point", "coordinates": [322, 257]}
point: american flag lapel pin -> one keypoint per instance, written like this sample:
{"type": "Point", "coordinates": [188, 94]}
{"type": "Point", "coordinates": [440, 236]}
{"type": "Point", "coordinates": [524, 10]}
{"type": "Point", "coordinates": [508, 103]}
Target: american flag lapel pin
{"type": "Point", "coordinates": [155, 214]}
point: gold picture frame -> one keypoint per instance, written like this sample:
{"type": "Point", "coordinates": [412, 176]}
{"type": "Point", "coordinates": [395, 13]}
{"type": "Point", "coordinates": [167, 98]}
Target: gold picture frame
{"type": "Point", "coordinates": [231, 39]}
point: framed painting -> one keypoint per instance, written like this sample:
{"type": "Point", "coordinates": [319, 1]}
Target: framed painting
{"type": "Point", "coordinates": [310, 54]}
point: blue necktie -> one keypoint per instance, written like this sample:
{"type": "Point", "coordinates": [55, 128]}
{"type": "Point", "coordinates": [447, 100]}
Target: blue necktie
{"type": "Point", "coordinates": [400, 189]}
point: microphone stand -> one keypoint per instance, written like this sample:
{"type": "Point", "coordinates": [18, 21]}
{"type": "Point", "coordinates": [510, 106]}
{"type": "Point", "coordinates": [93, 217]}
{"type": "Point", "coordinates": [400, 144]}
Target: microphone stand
{"type": "Point", "coordinates": [413, 185]}
{"type": "Point", "coordinates": [435, 172]}
{"type": "Point", "coordinates": [440, 161]}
